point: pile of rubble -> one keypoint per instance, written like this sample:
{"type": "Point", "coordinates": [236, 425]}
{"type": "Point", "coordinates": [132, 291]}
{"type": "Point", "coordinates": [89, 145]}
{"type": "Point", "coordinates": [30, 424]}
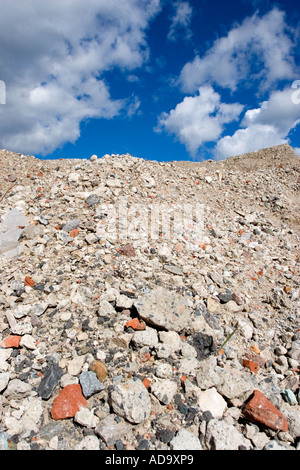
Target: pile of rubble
{"type": "Point", "coordinates": [148, 305]}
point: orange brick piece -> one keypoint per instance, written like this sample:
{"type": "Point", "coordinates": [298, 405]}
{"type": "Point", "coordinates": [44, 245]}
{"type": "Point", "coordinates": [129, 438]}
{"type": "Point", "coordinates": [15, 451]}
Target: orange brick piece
{"type": "Point", "coordinates": [29, 281]}
{"type": "Point", "coordinates": [11, 341]}
{"type": "Point", "coordinates": [136, 324]}
{"type": "Point", "coordinates": [68, 402]}
{"type": "Point", "coordinates": [253, 366]}
{"type": "Point", "coordinates": [260, 410]}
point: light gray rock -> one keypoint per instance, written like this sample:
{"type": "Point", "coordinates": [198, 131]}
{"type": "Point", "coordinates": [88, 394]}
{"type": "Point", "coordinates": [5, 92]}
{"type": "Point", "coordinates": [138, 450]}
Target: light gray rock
{"type": "Point", "coordinates": [146, 337]}
{"type": "Point", "coordinates": [131, 401]}
{"type": "Point", "coordinates": [164, 390]}
{"type": "Point", "coordinates": [232, 384]}
{"type": "Point", "coordinates": [111, 430]}
{"type": "Point", "coordinates": [165, 309]}
{"type": "Point", "coordinates": [185, 440]}
{"type": "Point", "coordinates": [223, 436]}
{"type": "Point", "coordinates": [17, 389]}
{"type": "Point", "coordinates": [208, 374]}
{"type": "Point", "coordinates": [4, 379]}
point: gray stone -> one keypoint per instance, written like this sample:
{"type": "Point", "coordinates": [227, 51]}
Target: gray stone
{"type": "Point", "coordinates": [90, 383]}
{"type": "Point", "coordinates": [111, 430]}
{"type": "Point", "coordinates": [221, 435]}
{"type": "Point", "coordinates": [18, 287]}
{"type": "Point", "coordinates": [71, 225]}
{"type": "Point", "coordinates": [131, 401]}
{"type": "Point", "coordinates": [164, 390]}
{"type": "Point", "coordinates": [185, 440]}
{"type": "Point", "coordinates": [165, 309]}
{"type": "Point", "coordinates": [208, 374]}
{"type": "Point", "coordinates": [146, 337]}
{"type": "Point", "coordinates": [232, 384]}
{"type": "Point", "coordinates": [17, 389]}
{"type": "Point", "coordinates": [4, 379]}
{"type": "Point", "coordinates": [92, 200]}
{"type": "Point", "coordinates": [50, 380]}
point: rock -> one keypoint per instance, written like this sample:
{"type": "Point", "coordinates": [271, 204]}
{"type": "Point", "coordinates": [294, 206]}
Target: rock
{"type": "Point", "coordinates": [71, 225]}
{"type": "Point", "coordinates": [164, 390]}
{"type": "Point", "coordinates": [75, 365]}
{"type": "Point", "coordinates": [208, 374]}
{"type": "Point", "coordinates": [99, 369]}
{"type": "Point", "coordinates": [165, 309]}
{"type": "Point", "coordinates": [17, 390]}
{"type": "Point", "coordinates": [92, 200]}
{"type": "Point", "coordinates": [110, 430]}
{"type": "Point", "coordinates": [260, 410]}
{"type": "Point", "coordinates": [4, 379]}
{"type": "Point", "coordinates": [221, 435]}
{"type": "Point", "coordinates": [185, 440]}
{"type": "Point", "coordinates": [49, 381]}
{"type": "Point", "coordinates": [131, 401]}
{"type": "Point", "coordinates": [11, 341]}
{"type": "Point", "coordinates": [233, 384]}
{"type": "Point", "coordinates": [127, 250]}
{"type": "Point", "coordinates": [90, 383]}
{"type": "Point", "coordinates": [28, 342]}
{"type": "Point", "coordinates": [146, 337]}
{"type": "Point", "coordinates": [86, 418]}
{"type": "Point", "coordinates": [68, 402]}
{"type": "Point", "coordinates": [88, 443]}
{"type": "Point", "coordinates": [211, 400]}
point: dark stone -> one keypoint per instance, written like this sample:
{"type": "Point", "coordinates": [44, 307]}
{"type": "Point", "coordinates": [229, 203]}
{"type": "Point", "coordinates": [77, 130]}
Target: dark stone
{"type": "Point", "coordinates": [204, 345]}
{"type": "Point", "coordinates": [143, 445]}
{"type": "Point", "coordinates": [92, 200]}
{"type": "Point", "coordinates": [225, 297]}
{"type": "Point", "coordinates": [50, 380]}
{"type": "Point", "coordinates": [164, 435]}
{"type": "Point", "coordinates": [119, 445]}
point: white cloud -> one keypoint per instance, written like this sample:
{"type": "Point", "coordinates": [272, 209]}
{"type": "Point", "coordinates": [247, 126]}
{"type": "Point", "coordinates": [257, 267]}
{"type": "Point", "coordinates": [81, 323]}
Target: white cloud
{"type": "Point", "coordinates": [54, 56]}
{"type": "Point", "coordinates": [181, 20]}
{"type": "Point", "coordinates": [297, 151]}
{"type": "Point", "coordinates": [260, 46]}
{"type": "Point", "coordinates": [199, 119]}
{"type": "Point", "coordinates": [263, 127]}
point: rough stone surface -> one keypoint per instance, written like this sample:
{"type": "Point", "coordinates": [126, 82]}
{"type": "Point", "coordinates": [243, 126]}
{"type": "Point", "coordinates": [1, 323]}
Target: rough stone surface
{"type": "Point", "coordinates": [50, 380]}
{"type": "Point", "coordinates": [218, 308]}
{"type": "Point", "coordinates": [131, 401]}
{"type": "Point", "coordinates": [185, 440]}
{"type": "Point", "coordinates": [164, 309]}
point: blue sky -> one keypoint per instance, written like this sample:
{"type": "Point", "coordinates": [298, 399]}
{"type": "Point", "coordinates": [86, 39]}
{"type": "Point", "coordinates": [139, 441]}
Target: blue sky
{"type": "Point", "coordinates": [159, 79]}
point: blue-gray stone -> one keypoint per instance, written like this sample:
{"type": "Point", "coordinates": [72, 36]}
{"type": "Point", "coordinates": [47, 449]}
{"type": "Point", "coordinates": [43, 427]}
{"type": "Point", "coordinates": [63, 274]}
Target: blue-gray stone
{"type": "Point", "coordinates": [71, 225]}
{"type": "Point", "coordinates": [90, 383]}
{"type": "Point", "coordinates": [92, 200]}
{"type": "Point", "coordinates": [50, 380]}
{"type": "Point", "coordinates": [289, 397]}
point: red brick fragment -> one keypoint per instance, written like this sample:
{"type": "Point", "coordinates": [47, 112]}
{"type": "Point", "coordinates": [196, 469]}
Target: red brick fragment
{"type": "Point", "coordinates": [136, 324]}
{"type": "Point", "coordinates": [74, 233]}
{"type": "Point", "coordinates": [11, 341]}
{"type": "Point", "coordinates": [29, 281]}
{"type": "Point", "coordinates": [253, 366]}
{"type": "Point", "coordinates": [260, 410]}
{"type": "Point", "coordinates": [68, 402]}
{"type": "Point", "coordinates": [147, 382]}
